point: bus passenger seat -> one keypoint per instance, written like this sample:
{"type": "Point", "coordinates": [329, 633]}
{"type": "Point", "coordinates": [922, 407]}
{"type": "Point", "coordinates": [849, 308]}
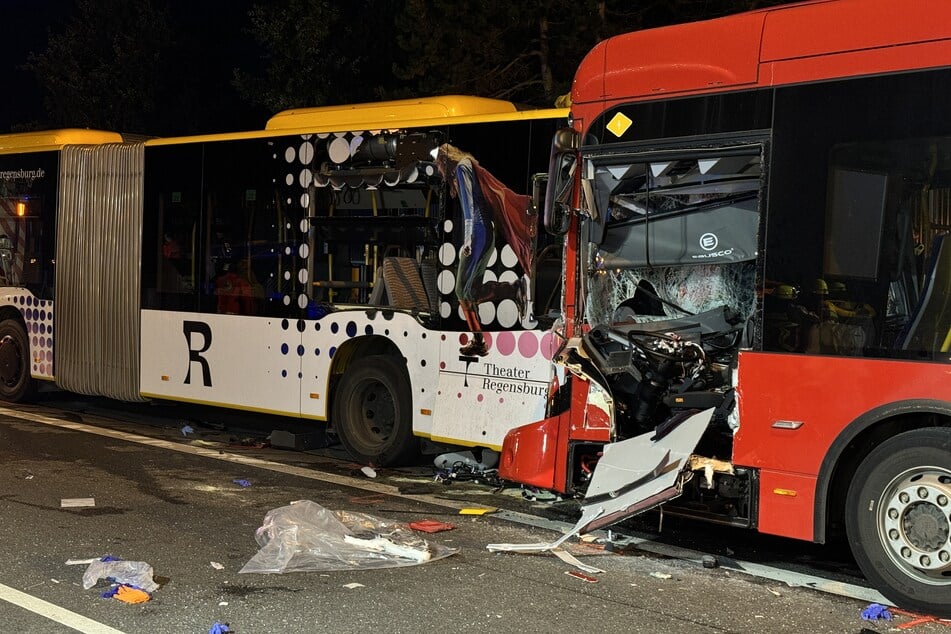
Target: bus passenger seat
{"type": "Point", "coordinates": [404, 284]}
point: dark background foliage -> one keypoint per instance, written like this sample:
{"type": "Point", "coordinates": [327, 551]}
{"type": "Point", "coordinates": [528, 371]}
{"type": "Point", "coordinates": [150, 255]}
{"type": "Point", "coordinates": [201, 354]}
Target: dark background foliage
{"type": "Point", "coordinates": [169, 67]}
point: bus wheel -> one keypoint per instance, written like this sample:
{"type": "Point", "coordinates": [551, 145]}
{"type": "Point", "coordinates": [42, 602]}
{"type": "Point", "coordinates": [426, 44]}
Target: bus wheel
{"type": "Point", "coordinates": [898, 518]}
{"type": "Point", "coordinates": [372, 412]}
{"type": "Point", "coordinates": [16, 384]}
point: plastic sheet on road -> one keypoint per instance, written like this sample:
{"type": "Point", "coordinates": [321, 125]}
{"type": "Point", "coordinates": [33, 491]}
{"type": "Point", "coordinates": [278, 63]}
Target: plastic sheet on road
{"type": "Point", "coordinates": [306, 537]}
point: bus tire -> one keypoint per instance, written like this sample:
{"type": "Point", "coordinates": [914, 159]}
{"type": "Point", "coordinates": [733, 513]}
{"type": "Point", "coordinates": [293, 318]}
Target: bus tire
{"type": "Point", "coordinates": [16, 383]}
{"type": "Point", "coordinates": [372, 412]}
{"type": "Point", "coordinates": [898, 519]}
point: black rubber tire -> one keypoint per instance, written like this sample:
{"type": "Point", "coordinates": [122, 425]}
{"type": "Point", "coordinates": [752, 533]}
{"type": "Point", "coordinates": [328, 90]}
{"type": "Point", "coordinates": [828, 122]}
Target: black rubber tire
{"type": "Point", "coordinates": [876, 516]}
{"type": "Point", "coordinates": [16, 383]}
{"type": "Point", "coordinates": [372, 412]}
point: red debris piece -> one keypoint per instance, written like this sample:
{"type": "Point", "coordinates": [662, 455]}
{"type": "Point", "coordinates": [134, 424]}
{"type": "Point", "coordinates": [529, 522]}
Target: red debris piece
{"type": "Point", "coordinates": [581, 575]}
{"type": "Point", "coordinates": [430, 526]}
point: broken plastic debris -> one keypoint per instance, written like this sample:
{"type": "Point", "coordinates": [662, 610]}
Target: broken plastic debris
{"type": "Point", "coordinates": [476, 511]}
{"type": "Point", "coordinates": [132, 573]}
{"type": "Point", "coordinates": [876, 611]}
{"type": "Point", "coordinates": [351, 586]}
{"type": "Point", "coordinates": [430, 526]}
{"type": "Point", "coordinates": [709, 561]}
{"type": "Point", "coordinates": [661, 575]}
{"type": "Point", "coordinates": [369, 472]}
{"type": "Point", "coordinates": [187, 429]}
{"type": "Point", "coordinates": [85, 562]}
{"type": "Point", "coordinates": [581, 575]}
{"type": "Point", "coordinates": [305, 536]}
{"type": "Point", "coordinates": [219, 628]}
{"type": "Point", "coordinates": [383, 545]}
{"type": "Point", "coordinates": [128, 594]}
{"type": "Point", "coordinates": [242, 483]}
{"type": "Point", "coordinates": [217, 566]}
{"type": "Point", "coordinates": [71, 503]}
{"type": "Point", "coordinates": [457, 459]}
{"type": "Point", "coordinates": [571, 560]}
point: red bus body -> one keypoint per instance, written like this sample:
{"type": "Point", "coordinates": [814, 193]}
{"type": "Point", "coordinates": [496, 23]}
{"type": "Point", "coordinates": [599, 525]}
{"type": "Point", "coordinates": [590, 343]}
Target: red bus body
{"type": "Point", "coordinates": [806, 421]}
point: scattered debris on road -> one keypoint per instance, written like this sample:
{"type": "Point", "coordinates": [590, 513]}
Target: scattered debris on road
{"type": "Point", "coordinates": [219, 628]}
{"type": "Point", "coordinates": [131, 573]}
{"type": "Point", "coordinates": [430, 526]}
{"type": "Point", "coordinates": [875, 612]}
{"type": "Point", "coordinates": [581, 575]}
{"type": "Point", "coordinates": [76, 503]}
{"type": "Point", "coordinates": [306, 537]}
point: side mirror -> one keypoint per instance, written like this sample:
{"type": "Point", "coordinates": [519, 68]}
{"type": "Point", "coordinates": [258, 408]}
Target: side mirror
{"type": "Point", "coordinates": [561, 171]}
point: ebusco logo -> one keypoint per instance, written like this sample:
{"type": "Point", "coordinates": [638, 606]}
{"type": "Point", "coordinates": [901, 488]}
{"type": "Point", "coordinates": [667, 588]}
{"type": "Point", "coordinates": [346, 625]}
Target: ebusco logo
{"type": "Point", "coordinates": [709, 242]}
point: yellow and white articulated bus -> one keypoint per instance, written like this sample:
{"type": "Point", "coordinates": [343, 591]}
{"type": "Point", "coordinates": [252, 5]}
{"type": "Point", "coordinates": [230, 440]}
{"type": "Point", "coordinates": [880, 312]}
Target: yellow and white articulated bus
{"type": "Point", "coordinates": [378, 266]}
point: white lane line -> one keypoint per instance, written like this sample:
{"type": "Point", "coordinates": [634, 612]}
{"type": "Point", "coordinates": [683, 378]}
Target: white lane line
{"type": "Point", "coordinates": [757, 570]}
{"type": "Point", "coordinates": [53, 612]}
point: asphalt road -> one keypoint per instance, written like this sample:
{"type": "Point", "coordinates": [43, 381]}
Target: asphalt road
{"type": "Point", "coordinates": [172, 502]}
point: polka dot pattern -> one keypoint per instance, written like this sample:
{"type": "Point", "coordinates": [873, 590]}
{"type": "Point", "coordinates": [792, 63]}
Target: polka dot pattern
{"type": "Point", "coordinates": [38, 319]}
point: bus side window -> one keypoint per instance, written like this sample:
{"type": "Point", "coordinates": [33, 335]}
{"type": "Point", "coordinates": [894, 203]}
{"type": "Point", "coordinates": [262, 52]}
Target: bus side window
{"type": "Point", "coordinates": [170, 234]}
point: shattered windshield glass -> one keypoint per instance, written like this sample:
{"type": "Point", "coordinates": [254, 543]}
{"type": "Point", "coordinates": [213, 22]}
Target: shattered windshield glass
{"type": "Point", "coordinates": [673, 236]}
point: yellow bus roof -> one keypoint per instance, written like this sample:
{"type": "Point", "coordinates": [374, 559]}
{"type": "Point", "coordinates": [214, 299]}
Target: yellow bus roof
{"type": "Point", "coordinates": [43, 140]}
{"type": "Point", "coordinates": [389, 114]}
{"type": "Point", "coordinates": [382, 115]}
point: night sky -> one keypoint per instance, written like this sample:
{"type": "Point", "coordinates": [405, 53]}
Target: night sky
{"type": "Point", "coordinates": [218, 27]}
{"type": "Point", "coordinates": [23, 28]}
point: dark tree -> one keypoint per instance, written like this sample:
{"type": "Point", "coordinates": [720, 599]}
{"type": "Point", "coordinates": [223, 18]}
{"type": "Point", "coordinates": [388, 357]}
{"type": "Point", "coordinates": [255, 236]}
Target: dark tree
{"type": "Point", "coordinates": [106, 69]}
{"type": "Point", "coordinates": [315, 52]}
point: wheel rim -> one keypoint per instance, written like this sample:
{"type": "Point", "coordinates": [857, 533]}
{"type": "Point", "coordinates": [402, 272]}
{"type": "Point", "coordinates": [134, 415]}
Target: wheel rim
{"type": "Point", "coordinates": [914, 524]}
{"type": "Point", "coordinates": [373, 415]}
{"type": "Point", "coordinates": [11, 362]}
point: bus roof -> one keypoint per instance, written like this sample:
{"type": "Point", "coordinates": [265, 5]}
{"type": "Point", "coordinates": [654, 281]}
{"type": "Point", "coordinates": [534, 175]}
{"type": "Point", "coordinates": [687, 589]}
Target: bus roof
{"type": "Point", "coordinates": [381, 115]}
{"type": "Point", "coordinates": [389, 113]}
{"type": "Point", "coordinates": [801, 42]}
{"type": "Point", "coordinates": [54, 139]}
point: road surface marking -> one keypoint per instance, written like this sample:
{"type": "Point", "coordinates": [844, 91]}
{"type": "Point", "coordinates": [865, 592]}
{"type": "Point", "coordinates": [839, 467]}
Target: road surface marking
{"type": "Point", "coordinates": [53, 612]}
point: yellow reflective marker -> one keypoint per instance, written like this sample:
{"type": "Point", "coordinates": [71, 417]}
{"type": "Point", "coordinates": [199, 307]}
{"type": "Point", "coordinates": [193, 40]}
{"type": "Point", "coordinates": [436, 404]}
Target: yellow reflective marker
{"type": "Point", "coordinates": [474, 511]}
{"type": "Point", "coordinates": [786, 492]}
{"type": "Point", "coordinates": [619, 124]}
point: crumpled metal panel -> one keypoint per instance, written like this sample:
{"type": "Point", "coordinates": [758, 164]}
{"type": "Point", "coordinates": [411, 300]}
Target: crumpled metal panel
{"type": "Point", "coordinates": [98, 255]}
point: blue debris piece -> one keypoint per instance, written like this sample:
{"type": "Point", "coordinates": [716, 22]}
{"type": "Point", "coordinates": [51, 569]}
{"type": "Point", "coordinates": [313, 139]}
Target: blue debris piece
{"type": "Point", "coordinates": [187, 429]}
{"type": "Point", "coordinates": [876, 611]}
{"type": "Point", "coordinates": [219, 628]}
{"type": "Point", "coordinates": [244, 483]}
{"type": "Point", "coordinates": [110, 558]}
{"type": "Point", "coordinates": [111, 592]}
